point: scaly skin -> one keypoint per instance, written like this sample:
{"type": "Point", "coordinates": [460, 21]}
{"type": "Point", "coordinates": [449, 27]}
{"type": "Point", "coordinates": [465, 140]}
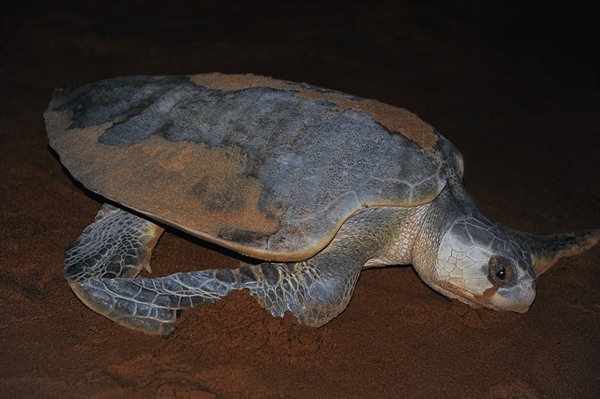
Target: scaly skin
{"type": "Point", "coordinates": [315, 290]}
{"type": "Point", "coordinates": [117, 244]}
{"type": "Point", "coordinates": [454, 248]}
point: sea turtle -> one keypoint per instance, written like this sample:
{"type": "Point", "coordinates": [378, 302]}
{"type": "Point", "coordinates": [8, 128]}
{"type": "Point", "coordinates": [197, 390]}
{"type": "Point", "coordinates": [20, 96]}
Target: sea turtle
{"type": "Point", "coordinates": [317, 183]}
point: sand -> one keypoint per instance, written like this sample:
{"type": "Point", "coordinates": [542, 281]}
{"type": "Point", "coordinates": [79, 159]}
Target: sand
{"type": "Point", "coordinates": [514, 86]}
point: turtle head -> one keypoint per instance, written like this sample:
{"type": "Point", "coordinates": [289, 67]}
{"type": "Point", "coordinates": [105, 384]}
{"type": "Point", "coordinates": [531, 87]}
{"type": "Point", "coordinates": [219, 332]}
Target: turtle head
{"type": "Point", "coordinates": [464, 255]}
{"type": "Point", "coordinates": [482, 263]}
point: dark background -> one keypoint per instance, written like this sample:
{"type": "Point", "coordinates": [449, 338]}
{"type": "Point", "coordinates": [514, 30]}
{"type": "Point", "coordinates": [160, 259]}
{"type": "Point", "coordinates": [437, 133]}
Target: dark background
{"type": "Point", "coordinates": [513, 84]}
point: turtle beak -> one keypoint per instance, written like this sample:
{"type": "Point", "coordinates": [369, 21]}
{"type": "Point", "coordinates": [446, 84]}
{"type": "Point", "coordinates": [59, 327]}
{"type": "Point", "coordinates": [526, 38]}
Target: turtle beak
{"type": "Point", "coordinates": [517, 298]}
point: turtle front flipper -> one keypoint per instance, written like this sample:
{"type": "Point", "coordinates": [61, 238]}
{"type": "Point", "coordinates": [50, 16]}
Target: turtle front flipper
{"type": "Point", "coordinates": [315, 290]}
{"type": "Point", "coordinates": [546, 250]}
{"type": "Point", "coordinates": [152, 305]}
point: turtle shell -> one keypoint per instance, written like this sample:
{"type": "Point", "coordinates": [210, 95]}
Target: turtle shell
{"type": "Point", "coordinates": [266, 167]}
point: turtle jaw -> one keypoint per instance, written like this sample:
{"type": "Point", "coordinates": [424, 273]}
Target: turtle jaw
{"type": "Point", "coordinates": [517, 298]}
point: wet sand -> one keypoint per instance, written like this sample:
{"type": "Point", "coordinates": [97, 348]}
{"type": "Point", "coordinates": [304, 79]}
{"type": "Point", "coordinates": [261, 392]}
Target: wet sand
{"type": "Point", "coordinates": [514, 86]}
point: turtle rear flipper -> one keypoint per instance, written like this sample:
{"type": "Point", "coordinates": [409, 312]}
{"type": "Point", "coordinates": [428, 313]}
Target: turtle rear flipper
{"type": "Point", "coordinates": [117, 244]}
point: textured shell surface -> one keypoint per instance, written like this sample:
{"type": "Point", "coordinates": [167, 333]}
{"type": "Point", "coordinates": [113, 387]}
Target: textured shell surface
{"type": "Point", "coordinates": [266, 167]}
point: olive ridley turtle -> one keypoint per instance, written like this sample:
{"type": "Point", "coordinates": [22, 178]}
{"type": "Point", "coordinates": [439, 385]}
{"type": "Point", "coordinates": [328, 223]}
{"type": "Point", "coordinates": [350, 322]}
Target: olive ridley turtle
{"type": "Point", "coordinates": [317, 183]}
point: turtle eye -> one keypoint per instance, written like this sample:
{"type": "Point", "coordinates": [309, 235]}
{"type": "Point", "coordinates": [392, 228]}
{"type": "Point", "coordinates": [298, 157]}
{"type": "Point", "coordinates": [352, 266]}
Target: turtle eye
{"type": "Point", "coordinates": [501, 273]}
{"type": "Point", "coordinates": [500, 270]}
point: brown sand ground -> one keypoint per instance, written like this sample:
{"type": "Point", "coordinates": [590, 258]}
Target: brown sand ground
{"type": "Point", "coordinates": [514, 86]}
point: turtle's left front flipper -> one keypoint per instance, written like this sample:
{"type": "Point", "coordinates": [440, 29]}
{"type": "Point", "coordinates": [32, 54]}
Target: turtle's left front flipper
{"type": "Point", "coordinates": [309, 292]}
{"type": "Point", "coordinates": [152, 305]}
{"type": "Point", "coordinates": [315, 290]}
{"type": "Point", "coordinates": [546, 250]}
